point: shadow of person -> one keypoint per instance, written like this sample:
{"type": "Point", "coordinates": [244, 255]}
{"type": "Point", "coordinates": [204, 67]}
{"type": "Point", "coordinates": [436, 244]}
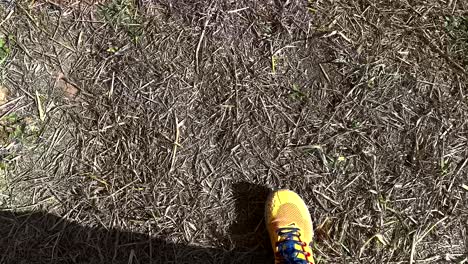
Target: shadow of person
{"type": "Point", "coordinates": [248, 231]}
{"type": "Point", "coordinates": [38, 237]}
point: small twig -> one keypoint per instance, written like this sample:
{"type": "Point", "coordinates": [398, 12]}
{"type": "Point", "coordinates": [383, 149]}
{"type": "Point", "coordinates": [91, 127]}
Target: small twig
{"type": "Point", "coordinates": [176, 142]}
{"type": "Point", "coordinates": [111, 91]}
{"type": "Point", "coordinates": [238, 10]}
{"type": "Point", "coordinates": [197, 51]}
{"type": "Point", "coordinates": [327, 198]}
{"type": "Point", "coordinates": [104, 129]}
{"type": "Point", "coordinates": [324, 73]}
{"type": "Point", "coordinates": [40, 108]}
{"type": "Point", "coordinates": [11, 102]}
{"type": "Point", "coordinates": [7, 17]}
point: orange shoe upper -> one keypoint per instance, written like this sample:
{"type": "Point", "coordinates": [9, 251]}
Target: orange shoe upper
{"type": "Point", "coordinates": [290, 227]}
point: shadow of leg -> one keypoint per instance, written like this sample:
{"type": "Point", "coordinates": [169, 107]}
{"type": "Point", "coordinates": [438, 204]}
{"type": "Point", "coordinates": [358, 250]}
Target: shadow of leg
{"type": "Point", "coordinates": [39, 237]}
{"type": "Point", "coordinates": [249, 232]}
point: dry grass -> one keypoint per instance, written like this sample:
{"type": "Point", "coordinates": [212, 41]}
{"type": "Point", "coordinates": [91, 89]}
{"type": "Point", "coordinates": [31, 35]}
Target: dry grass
{"type": "Point", "coordinates": [165, 118]}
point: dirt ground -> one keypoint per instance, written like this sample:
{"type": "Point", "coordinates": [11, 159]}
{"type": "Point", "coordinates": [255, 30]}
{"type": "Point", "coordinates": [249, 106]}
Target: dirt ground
{"type": "Point", "coordinates": [151, 131]}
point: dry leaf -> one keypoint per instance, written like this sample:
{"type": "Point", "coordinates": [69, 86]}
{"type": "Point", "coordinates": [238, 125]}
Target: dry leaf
{"type": "Point", "coordinates": [70, 91]}
{"type": "Point", "coordinates": [3, 95]}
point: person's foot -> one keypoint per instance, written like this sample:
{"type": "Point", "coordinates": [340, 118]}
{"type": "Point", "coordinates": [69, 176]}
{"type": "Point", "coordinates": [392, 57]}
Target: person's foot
{"type": "Point", "coordinates": [290, 227]}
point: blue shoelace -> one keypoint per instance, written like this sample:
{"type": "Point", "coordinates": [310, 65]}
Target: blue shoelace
{"type": "Point", "coordinates": [287, 251]}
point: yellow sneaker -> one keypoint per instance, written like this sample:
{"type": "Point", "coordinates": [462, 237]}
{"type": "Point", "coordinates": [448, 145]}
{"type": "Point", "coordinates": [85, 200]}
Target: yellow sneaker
{"type": "Point", "coordinates": [290, 227]}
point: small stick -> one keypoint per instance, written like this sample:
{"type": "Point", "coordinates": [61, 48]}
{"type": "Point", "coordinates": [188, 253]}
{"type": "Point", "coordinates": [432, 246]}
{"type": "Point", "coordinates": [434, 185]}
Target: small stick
{"type": "Point", "coordinates": [197, 51]}
{"type": "Point", "coordinates": [112, 86]}
{"type": "Point", "coordinates": [176, 143]}
{"type": "Point", "coordinates": [7, 17]}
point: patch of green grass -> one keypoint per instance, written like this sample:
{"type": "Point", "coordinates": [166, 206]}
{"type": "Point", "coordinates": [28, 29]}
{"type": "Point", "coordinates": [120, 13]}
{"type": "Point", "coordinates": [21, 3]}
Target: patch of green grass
{"type": "Point", "coordinates": [14, 129]}
{"type": "Point", "coordinates": [457, 28]}
{"type": "Point", "coordinates": [6, 43]}
{"type": "Point", "coordinates": [356, 124]}
{"type": "Point", "coordinates": [15, 133]}
{"type": "Point", "coordinates": [3, 185]}
{"type": "Point", "coordinates": [457, 24]}
{"type": "Point", "coordinates": [297, 93]}
{"type": "Point", "coordinates": [5, 48]}
{"type": "Point", "coordinates": [444, 166]}
{"type": "Point", "coordinates": [123, 15]}
{"type": "Point", "coordinates": [10, 130]}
